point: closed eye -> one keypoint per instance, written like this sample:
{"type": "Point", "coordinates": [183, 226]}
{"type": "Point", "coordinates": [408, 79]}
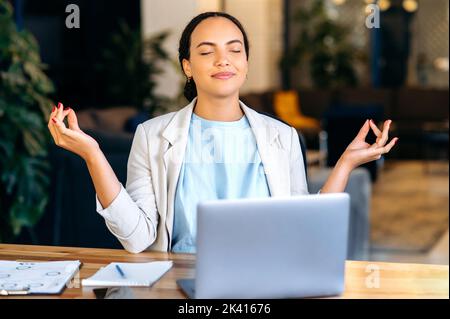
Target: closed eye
{"type": "Point", "coordinates": [206, 53]}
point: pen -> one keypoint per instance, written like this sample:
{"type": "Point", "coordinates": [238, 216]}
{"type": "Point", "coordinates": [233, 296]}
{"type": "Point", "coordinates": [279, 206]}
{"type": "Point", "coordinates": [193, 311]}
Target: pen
{"type": "Point", "coordinates": [122, 274]}
{"type": "Point", "coordinates": [12, 292]}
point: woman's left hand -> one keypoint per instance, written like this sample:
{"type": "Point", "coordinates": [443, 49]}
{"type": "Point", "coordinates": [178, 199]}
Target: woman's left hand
{"type": "Point", "coordinates": [359, 152]}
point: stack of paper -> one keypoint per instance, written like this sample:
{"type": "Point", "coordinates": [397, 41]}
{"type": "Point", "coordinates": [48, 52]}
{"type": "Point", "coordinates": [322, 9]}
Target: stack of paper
{"type": "Point", "coordinates": [37, 277]}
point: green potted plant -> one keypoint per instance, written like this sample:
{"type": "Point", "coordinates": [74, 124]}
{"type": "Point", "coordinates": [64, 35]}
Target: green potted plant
{"type": "Point", "coordinates": [24, 106]}
{"type": "Point", "coordinates": [130, 65]}
{"type": "Point", "coordinates": [322, 43]}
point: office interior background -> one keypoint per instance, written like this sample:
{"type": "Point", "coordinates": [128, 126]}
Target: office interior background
{"type": "Point", "coordinates": [316, 64]}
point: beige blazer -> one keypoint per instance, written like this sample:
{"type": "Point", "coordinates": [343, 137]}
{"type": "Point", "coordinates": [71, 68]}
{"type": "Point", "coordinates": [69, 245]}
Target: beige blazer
{"type": "Point", "coordinates": [141, 216]}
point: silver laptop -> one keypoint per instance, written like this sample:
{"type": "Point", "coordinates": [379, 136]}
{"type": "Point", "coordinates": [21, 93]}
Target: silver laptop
{"type": "Point", "coordinates": [271, 248]}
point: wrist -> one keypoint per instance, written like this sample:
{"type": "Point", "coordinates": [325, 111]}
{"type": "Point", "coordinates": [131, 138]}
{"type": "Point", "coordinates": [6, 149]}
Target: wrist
{"type": "Point", "coordinates": [93, 156]}
{"type": "Point", "coordinates": [345, 165]}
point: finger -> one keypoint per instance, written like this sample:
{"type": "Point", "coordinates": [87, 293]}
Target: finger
{"type": "Point", "coordinates": [62, 111]}
{"type": "Point", "coordinates": [53, 132]}
{"type": "Point", "coordinates": [59, 126]}
{"type": "Point", "coordinates": [388, 147]}
{"type": "Point", "coordinates": [73, 120]}
{"type": "Point", "coordinates": [52, 113]}
{"type": "Point", "coordinates": [369, 155]}
{"type": "Point", "coordinates": [59, 114]}
{"type": "Point", "coordinates": [65, 135]}
{"type": "Point", "coordinates": [375, 129]}
{"type": "Point", "coordinates": [375, 151]}
{"type": "Point", "coordinates": [378, 151]}
{"type": "Point", "coordinates": [65, 112]}
{"type": "Point", "coordinates": [363, 131]}
{"type": "Point", "coordinates": [385, 133]}
{"type": "Point", "coordinates": [50, 126]}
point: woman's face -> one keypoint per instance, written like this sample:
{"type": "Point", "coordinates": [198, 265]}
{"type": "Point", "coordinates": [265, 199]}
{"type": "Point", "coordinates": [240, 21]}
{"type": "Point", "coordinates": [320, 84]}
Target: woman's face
{"type": "Point", "coordinates": [218, 61]}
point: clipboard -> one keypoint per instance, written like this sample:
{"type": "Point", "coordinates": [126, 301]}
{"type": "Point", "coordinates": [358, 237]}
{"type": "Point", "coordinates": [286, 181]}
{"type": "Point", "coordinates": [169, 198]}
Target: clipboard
{"type": "Point", "coordinates": [25, 278]}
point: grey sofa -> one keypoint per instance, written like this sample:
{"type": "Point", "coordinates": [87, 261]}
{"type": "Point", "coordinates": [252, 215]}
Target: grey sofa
{"type": "Point", "coordinates": [359, 188]}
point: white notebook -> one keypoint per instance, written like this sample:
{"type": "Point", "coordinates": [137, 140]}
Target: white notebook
{"type": "Point", "coordinates": [133, 274]}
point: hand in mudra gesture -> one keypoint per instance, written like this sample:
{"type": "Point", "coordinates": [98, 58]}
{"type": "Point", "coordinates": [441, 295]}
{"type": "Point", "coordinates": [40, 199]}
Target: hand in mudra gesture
{"type": "Point", "coordinates": [71, 138]}
{"type": "Point", "coordinates": [359, 151]}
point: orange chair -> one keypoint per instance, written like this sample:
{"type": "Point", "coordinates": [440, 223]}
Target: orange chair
{"type": "Point", "coordinates": [287, 108]}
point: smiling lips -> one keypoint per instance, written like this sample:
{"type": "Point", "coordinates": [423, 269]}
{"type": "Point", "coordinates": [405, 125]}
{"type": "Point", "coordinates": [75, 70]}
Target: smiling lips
{"type": "Point", "coordinates": [223, 75]}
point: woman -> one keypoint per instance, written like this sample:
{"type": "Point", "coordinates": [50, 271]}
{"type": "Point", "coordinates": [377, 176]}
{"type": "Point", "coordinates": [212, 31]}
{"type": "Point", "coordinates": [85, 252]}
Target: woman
{"type": "Point", "coordinates": [214, 148]}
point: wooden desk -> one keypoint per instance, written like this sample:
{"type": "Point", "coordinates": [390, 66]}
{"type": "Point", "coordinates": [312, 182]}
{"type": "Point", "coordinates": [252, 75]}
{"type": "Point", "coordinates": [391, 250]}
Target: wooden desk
{"type": "Point", "coordinates": [395, 280]}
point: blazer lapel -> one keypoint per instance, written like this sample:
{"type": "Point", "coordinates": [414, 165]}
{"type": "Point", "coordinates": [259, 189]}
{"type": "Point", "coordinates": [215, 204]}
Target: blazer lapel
{"type": "Point", "coordinates": [274, 157]}
{"type": "Point", "coordinates": [176, 133]}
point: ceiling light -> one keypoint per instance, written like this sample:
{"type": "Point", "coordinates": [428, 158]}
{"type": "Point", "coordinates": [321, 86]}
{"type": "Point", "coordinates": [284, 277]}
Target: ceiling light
{"type": "Point", "coordinates": [384, 4]}
{"type": "Point", "coordinates": [441, 64]}
{"type": "Point", "coordinates": [410, 5]}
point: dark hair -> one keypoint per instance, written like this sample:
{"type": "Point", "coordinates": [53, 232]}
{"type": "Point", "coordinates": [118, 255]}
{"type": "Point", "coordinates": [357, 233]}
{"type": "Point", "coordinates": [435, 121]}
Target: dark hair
{"type": "Point", "coordinates": [190, 90]}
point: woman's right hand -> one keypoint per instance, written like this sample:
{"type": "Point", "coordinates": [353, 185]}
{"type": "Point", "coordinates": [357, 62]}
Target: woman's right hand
{"type": "Point", "coordinates": [71, 138]}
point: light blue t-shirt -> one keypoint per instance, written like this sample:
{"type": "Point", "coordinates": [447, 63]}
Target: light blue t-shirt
{"type": "Point", "coordinates": [221, 162]}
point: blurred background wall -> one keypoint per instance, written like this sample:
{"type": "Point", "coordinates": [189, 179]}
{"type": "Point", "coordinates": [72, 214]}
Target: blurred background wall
{"type": "Point", "coordinates": [313, 64]}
